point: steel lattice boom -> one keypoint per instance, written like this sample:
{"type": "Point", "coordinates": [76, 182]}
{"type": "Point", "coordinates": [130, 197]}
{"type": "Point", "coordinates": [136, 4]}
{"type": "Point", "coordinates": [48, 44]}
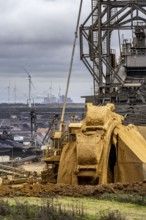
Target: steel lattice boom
{"type": "Point", "coordinates": [121, 81]}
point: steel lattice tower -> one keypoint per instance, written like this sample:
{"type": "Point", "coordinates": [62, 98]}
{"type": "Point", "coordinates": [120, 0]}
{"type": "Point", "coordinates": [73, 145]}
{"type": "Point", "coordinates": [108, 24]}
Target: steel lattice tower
{"type": "Point", "coordinates": [107, 19]}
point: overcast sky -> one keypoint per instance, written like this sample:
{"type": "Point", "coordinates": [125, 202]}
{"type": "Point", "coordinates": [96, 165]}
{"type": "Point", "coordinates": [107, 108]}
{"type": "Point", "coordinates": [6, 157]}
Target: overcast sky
{"type": "Point", "coordinates": [38, 35]}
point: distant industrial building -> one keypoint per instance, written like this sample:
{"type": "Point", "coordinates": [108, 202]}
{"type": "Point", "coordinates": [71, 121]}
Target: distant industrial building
{"type": "Point", "coordinates": [53, 99]}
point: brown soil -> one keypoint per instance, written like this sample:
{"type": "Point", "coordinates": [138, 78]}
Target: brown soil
{"type": "Point", "coordinates": [37, 189]}
{"type": "Point", "coordinates": [38, 167]}
{"type": "Point", "coordinates": [44, 190]}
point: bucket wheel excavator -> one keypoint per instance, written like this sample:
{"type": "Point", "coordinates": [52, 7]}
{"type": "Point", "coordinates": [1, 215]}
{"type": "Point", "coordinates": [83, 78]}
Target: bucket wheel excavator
{"type": "Point", "coordinates": [99, 150]}
{"type": "Point", "coordinates": [106, 147]}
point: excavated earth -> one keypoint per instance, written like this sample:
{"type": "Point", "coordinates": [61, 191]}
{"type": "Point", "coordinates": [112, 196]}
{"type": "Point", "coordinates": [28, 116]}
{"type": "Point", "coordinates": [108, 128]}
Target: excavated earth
{"type": "Point", "coordinates": [48, 189]}
{"type": "Point", "coordinates": [38, 189]}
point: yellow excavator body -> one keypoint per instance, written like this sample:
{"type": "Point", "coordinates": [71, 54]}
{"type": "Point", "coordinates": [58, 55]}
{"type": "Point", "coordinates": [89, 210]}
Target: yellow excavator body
{"type": "Point", "coordinates": [102, 150]}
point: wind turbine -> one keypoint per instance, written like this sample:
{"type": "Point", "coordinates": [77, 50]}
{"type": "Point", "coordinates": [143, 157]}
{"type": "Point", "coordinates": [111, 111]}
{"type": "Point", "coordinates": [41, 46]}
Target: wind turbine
{"type": "Point", "coordinates": [15, 93]}
{"type": "Point", "coordinates": [30, 83]}
{"type": "Point", "coordinates": [8, 88]}
{"type": "Point", "coordinates": [24, 94]}
{"type": "Point", "coordinates": [50, 95]}
{"type": "Point", "coordinates": [59, 95]}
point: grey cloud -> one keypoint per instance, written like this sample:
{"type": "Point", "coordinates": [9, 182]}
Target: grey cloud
{"type": "Point", "coordinates": [38, 35]}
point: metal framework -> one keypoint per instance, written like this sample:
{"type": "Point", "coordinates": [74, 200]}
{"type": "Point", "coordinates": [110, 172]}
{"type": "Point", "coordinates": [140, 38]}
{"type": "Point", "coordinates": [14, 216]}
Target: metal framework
{"type": "Point", "coordinates": [107, 19]}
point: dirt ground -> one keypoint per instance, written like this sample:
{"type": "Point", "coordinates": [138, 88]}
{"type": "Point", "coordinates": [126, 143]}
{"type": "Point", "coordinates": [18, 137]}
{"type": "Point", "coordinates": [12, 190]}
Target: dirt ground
{"type": "Point", "coordinates": [39, 189]}
{"type": "Point", "coordinates": [38, 167]}
{"type": "Point", "coordinates": [44, 190]}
